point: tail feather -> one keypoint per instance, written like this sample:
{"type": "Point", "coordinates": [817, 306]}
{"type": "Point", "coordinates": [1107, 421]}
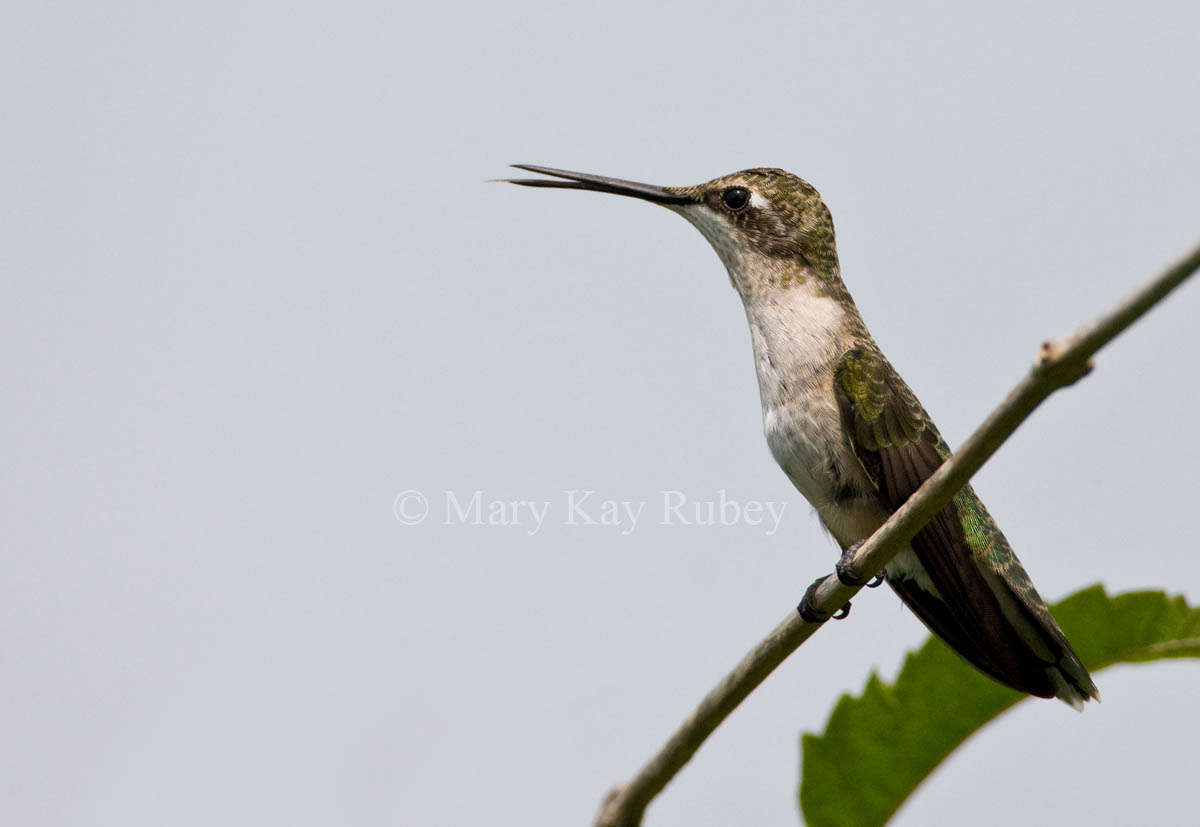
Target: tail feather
{"type": "Point", "coordinates": [996, 646]}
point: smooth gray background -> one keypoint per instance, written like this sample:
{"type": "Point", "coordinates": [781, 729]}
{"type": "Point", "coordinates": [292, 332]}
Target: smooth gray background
{"type": "Point", "coordinates": [254, 286]}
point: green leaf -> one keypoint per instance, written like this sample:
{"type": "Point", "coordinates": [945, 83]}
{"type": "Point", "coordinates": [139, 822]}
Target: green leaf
{"type": "Point", "coordinates": [879, 746]}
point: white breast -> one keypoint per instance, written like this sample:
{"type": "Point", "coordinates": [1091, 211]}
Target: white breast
{"type": "Point", "coordinates": [797, 339]}
{"type": "Point", "coordinates": [800, 435]}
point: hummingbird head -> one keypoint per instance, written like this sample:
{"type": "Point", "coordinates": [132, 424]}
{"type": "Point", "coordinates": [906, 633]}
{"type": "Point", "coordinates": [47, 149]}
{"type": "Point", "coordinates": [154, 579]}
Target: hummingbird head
{"type": "Point", "coordinates": [770, 228]}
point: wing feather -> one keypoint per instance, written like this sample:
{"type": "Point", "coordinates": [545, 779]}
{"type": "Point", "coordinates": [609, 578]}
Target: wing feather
{"type": "Point", "coordinates": [900, 448]}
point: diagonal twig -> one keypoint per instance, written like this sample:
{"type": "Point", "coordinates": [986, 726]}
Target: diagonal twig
{"type": "Point", "coordinates": [1060, 362]}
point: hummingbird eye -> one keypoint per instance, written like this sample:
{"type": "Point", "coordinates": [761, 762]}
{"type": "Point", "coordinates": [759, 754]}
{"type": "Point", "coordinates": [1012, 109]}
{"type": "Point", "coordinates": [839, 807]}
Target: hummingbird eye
{"type": "Point", "coordinates": [736, 198]}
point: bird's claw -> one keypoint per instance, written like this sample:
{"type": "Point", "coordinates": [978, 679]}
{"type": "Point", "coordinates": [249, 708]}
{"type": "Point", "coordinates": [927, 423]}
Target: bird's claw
{"type": "Point", "coordinates": [808, 610]}
{"type": "Point", "coordinates": [845, 570]}
{"type": "Point", "coordinates": [877, 581]}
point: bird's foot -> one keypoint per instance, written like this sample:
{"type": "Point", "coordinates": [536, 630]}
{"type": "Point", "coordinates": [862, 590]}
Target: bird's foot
{"type": "Point", "coordinates": [808, 610]}
{"type": "Point", "coordinates": [847, 574]}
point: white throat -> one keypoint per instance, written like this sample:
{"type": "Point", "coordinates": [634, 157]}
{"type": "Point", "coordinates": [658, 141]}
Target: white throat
{"type": "Point", "coordinates": [797, 329]}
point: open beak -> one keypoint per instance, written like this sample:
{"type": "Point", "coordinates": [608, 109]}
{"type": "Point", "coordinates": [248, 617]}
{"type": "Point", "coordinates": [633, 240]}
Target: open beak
{"type": "Point", "coordinates": [598, 183]}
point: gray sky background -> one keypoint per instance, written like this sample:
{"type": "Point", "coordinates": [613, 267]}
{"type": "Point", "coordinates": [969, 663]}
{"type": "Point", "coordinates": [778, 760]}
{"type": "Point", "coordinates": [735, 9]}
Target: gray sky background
{"type": "Point", "coordinates": [254, 286]}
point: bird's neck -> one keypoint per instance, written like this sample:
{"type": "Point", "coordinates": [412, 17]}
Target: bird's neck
{"type": "Point", "coordinates": [800, 325]}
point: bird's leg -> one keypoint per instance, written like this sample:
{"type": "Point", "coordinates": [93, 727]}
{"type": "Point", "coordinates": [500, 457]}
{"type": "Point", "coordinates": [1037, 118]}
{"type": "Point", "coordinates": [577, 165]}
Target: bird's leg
{"type": "Point", "coordinates": [808, 610]}
{"type": "Point", "coordinates": [847, 574]}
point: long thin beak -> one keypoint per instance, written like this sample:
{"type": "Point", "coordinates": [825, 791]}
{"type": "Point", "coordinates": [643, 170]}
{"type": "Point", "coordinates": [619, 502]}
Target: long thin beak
{"type": "Point", "coordinates": [598, 183]}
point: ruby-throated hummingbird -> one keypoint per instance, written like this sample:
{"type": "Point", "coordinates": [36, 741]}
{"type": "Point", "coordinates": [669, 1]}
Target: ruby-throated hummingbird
{"type": "Point", "coordinates": [847, 430]}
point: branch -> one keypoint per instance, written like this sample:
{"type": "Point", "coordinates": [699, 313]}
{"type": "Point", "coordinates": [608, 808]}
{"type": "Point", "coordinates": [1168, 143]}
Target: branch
{"type": "Point", "coordinates": [1060, 363]}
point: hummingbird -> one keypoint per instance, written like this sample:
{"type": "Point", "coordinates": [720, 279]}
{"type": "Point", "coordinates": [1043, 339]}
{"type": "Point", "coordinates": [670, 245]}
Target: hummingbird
{"type": "Point", "coordinates": [850, 434]}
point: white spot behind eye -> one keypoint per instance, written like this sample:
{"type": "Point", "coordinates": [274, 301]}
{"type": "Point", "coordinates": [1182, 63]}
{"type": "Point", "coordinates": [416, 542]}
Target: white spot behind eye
{"type": "Point", "coordinates": [757, 201]}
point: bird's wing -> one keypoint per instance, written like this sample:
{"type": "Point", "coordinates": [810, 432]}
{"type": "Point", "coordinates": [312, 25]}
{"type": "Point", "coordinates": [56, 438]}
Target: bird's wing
{"type": "Point", "coordinates": [984, 607]}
